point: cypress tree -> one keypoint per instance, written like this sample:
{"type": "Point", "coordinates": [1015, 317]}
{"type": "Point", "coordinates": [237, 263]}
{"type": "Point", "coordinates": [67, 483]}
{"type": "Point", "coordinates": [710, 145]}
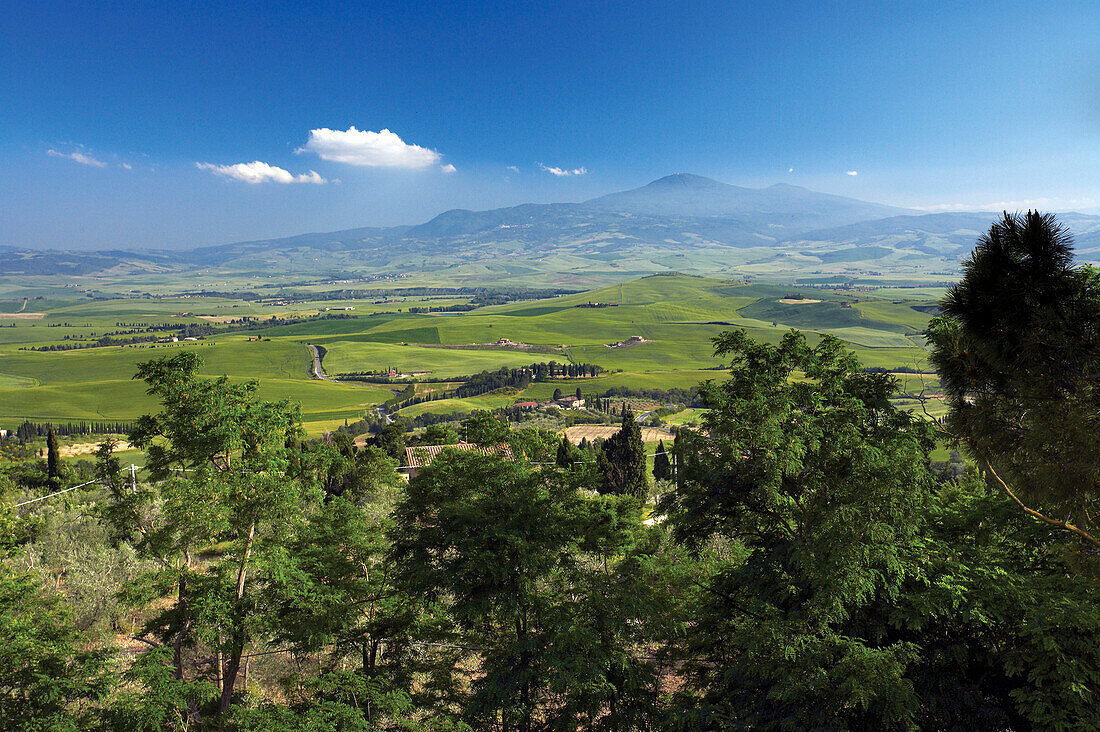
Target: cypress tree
{"type": "Point", "coordinates": [662, 466]}
{"type": "Point", "coordinates": [53, 459]}
{"type": "Point", "coordinates": [677, 453]}
{"type": "Point", "coordinates": [622, 460]}
{"type": "Point", "coordinates": [565, 453]}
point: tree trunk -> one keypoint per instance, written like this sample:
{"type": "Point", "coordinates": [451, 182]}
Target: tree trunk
{"type": "Point", "coordinates": [238, 637]}
{"type": "Point", "coordinates": [524, 664]}
{"type": "Point", "coordinates": [370, 655]}
{"type": "Point", "coordinates": [229, 678]}
{"type": "Point", "coordinates": [181, 636]}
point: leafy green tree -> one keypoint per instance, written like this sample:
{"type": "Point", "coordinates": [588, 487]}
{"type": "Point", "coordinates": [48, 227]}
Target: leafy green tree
{"type": "Point", "coordinates": [615, 609]}
{"type": "Point", "coordinates": [335, 702]}
{"type": "Point", "coordinates": [678, 456]}
{"type": "Point", "coordinates": [392, 441]}
{"type": "Point", "coordinates": [530, 443]}
{"type": "Point", "coordinates": [819, 483]}
{"type": "Point", "coordinates": [154, 699]}
{"type": "Point", "coordinates": [503, 545]}
{"type": "Point", "coordinates": [48, 680]}
{"type": "Point", "coordinates": [335, 594]}
{"type": "Point", "coordinates": [622, 461]}
{"type": "Point", "coordinates": [662, 466]}
{"type": "Point", "coordinates": [1018, 353]}
{"type": "Point", "coordinates": [1002, 628]}
{"type": "Point", "coordinates": [53, 460]}
{"type": "Point", "coordinates": [73, 549]}
{"type": "Point", "coordinates": [439, 434]}
{"type": "Point", "coordinates": [219, 456]}
{"type": "Point", "coordinates": [853, 591]}
{"type": "Point", "coordinates": [483, 428]}
{"type": "Point", "coordinates": [487, 532]}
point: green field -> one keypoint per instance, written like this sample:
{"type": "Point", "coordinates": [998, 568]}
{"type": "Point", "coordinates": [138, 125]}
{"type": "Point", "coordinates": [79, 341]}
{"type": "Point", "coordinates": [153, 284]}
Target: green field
{"type": "Point", "coordinates": [96, 383]}
{"type": "Point", "coordinates": [677, 316]}
{"type": "Point", "coordinates": [348, 356]}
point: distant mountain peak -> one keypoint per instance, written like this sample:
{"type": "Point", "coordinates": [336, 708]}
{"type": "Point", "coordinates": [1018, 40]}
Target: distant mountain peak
{"type": "Point", "coordinates": [686, 180]}
{"type": "Point", "coordinates": [687, 195]}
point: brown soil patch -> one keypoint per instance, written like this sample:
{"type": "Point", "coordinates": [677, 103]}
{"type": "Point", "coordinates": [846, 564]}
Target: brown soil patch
{"type": "Point", "coordinates": [792, 301]}
{"type": "Point", "coordinates": [87, 448]}
{"type": "Point", "coordinates": [218, 318]}
{"type": "Point", "coordinates": [23, 316]}
{"type": "Point", "coordinates": [601, 432]}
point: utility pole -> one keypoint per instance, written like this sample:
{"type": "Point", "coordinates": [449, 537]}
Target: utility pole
{"type": "Point", "coordinates": [133, 478]}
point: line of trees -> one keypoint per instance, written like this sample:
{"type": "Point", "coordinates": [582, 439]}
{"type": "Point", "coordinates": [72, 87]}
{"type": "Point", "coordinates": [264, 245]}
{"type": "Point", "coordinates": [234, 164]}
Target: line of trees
{"type": "Point", "coordinates": [101, 342]}
{"type": "Point", "coordinates": [524, 376]}
{"type": "Point", "coordinates": [459, 308]}
{"type": "Point", "coordinates": [28, 431]}
{"type": "Point", "coordinates": [480, 296]}
{"type": "Point", "coordinates": [489, 381]}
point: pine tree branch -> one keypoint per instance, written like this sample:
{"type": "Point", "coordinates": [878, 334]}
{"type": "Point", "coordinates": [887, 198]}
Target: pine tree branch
{"type": "Point", "coordinates": [1035, 514]}
{"type": "Point", "coordinates": [1065, 525]}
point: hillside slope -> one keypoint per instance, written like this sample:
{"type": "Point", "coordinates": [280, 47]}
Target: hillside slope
{"type": "Point", "coordinates": [681, 222]}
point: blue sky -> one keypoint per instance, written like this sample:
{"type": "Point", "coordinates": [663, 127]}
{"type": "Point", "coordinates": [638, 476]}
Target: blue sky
{"type": "Point", "coordinates": [140, 124]}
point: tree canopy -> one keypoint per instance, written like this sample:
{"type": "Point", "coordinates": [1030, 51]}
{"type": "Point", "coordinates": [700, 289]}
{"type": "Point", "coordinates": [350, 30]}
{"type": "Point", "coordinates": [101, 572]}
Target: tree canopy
{"type": "Point", "coordinates": [1018, 352]}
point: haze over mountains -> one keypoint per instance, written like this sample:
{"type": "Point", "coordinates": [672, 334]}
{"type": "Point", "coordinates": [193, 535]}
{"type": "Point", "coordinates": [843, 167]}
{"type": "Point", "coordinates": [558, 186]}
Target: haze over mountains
{"type": "Point", "coordinates": [680, 222]}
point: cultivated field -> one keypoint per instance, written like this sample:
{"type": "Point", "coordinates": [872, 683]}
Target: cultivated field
{"type": "Point", "coordinates": [592, 432]}
{"type": "Point", "coordinates": [677, 315]}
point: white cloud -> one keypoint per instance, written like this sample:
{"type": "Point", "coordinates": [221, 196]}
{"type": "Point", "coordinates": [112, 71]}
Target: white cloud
{"type": "Point", "coordinates": [1056, 204]}
{"type": "Point", "coordinates": [310, 177]}
{"type": "Point", "coordinates": [448, 168]}
{"type": "Point", "coordinates": [260, 172]}
{"type": "Point", "coordinates": [78, 157]}
{"type": "Point", "coordinates": [382, 149]}
{"type": "Point", "coordinates": [127, 166]}
{"type": "Point", "coordinates": [790, 170]}
{"type": "Point", "coordinates": [512, 168]}
{"type": "Point", "coordinates": [562, 172]}
{"type": "Point", "coordinates": [851, 172]}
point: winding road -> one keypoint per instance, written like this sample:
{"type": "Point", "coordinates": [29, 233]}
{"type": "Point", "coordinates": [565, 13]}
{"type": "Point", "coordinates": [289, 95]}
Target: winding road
{"type": "Point", "coordinates": [319, 373]}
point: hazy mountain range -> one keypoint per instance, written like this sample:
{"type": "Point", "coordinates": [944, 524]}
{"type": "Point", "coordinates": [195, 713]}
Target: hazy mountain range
{"type": "Point", "coordinates": [679, 222]}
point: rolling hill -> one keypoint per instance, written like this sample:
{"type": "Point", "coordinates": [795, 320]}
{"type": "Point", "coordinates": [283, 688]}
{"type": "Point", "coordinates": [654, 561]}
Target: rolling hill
{"type": "Point", "coordinates": [680, 222]}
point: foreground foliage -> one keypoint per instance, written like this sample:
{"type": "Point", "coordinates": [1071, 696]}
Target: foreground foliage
{"type": "Point", "coordinates": [803, 568]}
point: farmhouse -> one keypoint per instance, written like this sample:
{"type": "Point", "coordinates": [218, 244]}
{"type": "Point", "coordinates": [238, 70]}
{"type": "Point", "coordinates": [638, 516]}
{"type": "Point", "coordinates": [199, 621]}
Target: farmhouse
{"type": "Point", "coordinates": [526, 405]}
{"type": "Point", "coordinates": [423, 455]}
{"type": "Point", "coordinates": [633, 340]}
{"type": "Point", "coordinates": [571, 402]}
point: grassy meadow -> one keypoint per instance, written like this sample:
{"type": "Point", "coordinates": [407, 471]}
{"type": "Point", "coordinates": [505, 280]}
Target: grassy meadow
{"type": "Point", "coordinates": [676, 316]}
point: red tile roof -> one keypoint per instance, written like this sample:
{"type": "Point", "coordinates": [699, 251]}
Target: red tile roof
{"type": "Point", "coordinates": [423, 455]}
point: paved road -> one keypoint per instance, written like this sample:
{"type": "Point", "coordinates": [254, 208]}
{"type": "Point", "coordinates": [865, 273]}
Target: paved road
{"type": "Point", "coordinates": [318, 372]}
